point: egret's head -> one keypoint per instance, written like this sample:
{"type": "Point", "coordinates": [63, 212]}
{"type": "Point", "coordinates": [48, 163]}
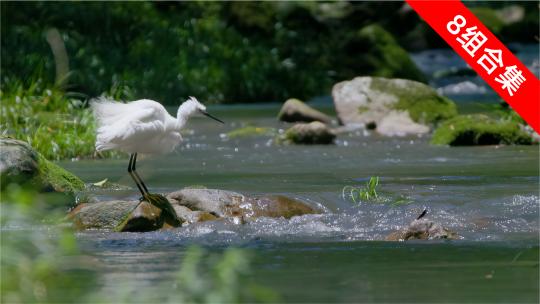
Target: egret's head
{"type": "Point", "coordinates": [193, 106]}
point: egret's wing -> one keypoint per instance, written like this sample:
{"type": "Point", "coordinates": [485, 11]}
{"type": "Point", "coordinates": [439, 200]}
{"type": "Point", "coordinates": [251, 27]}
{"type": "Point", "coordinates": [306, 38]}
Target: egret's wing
{"type": "Point", "coordinates": [135, 126]}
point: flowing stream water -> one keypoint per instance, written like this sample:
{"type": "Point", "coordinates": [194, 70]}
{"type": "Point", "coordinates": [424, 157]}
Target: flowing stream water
{"type": "Point", "coordinates": [489, 195]}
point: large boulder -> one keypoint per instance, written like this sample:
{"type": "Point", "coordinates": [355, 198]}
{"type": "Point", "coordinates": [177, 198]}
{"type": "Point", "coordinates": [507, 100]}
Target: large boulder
{"type": "Point", "coordinates": [479, 129]}
{"type": "Point", "coordinates": [226, 204]}
{"type": "Point", "coordinates": [394, 106]}
{"type": "Point", "coordinates": [21, 164]}
{"type": "Point", "coordinates": [374, 51]}
{"type": "Point", "coordinates": [294, 110]}
{"type": "Point", "coordinates": [313, 133]}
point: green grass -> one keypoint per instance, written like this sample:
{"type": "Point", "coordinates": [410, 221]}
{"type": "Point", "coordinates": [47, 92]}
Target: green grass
{"type": "Point", "coordinates": [368, 193]}
{"type": "Point", "coordinates": [55, 124]}
{"type": "Point", "coordinates": [363, 194]}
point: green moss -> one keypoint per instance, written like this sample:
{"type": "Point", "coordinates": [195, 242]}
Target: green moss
{"type": "Point", "coordinates": [58, 178]}
{"type": "Point", "coordinates": [385, 56]}
{"type": "Point", "coordinates": [251, 131]}
{"type": "Point", "coordinates": [314, 133]}
{"type": "Point", "coordinates": [479, 129]}
{"type": "Point", "coordinates": [422, 102]}
{"type": "Point", "coordinates": [363, 109]}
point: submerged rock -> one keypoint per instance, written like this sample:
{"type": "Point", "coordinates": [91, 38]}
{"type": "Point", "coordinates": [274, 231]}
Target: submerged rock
{"type": "Point", "coordinates": [401, 106]}
{"type": "Point", "coordinates": [479, 129]}
{"type": "Point", "coordinates": [227, 204]}
{"type": "Point", "coordinates": [294, 110]}
{"type": "Point", "coordinates": [250, 131]}
{"type": "Point", "coordinates": [422, 229]}
{"type": "Point", "coordinates": [314, 133]}
{"type": "Point", "coordinates": [106, 185]}
{"type": "Point", "coordinates": [21, 164]}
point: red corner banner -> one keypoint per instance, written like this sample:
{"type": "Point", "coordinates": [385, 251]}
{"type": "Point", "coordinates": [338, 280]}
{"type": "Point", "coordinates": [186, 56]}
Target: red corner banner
{"type": "Point", "coordinates": [485, 54]}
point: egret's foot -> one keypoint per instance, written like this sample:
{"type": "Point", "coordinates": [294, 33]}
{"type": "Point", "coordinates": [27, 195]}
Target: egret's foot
{"type": "Point", "coordinates": [162, 203]}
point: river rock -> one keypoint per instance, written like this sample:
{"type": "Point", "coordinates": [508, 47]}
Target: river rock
{"type": "Point", "coordinates": [18, 161]}
{"type": "Point", "coordinates": [313, 133]}
{"type": "Point", "coordinates": [145, 217]}
{"type": "Point", "coordinates": [399, 123]}
{"type": "Point", "coordinates": [229, 204]}
{"type": "Point", "coordinates": [101, 215]}
{"type": "Point", "coordinates": [121, 216]}
{"type": "Point", "coordinates": [190, 206]}
{"type": "Point", "coordinates": [294, 110]}
{"type": "Point", "coordinates": [21, 164]}
{"type": "Point", "coordinates": [422, 229]}
{"type": "Point", "coordinates": [480, 129]}
{"type": "Point", "coordinates": [189, 216]}
{"type": "Point", "coordinates": [401, 106]}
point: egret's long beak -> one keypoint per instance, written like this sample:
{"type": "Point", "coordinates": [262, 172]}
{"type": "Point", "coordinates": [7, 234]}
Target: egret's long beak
{"type": "Point", "coordinates": [213, 117]}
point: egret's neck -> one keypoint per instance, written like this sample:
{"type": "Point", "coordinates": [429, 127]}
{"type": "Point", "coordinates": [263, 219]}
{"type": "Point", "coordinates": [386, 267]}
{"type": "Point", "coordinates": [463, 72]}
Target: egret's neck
{"type": "Point", "coordinates": [184, 112]}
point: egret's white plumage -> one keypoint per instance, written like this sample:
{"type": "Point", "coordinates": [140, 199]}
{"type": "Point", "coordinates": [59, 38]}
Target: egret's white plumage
{"type": "Point", "coordinates": [141, 126]}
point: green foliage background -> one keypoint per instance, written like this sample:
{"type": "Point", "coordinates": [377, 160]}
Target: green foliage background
{"type": "Point", "coordinates": [221, 52]}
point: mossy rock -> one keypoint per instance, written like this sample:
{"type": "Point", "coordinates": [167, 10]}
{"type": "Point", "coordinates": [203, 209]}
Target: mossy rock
{"type": "Point", "coordinates": [23, 165]}
{"type": "Point", "coordinates": [489, 18]}
{"type": "Point", "coordinates": [479, 129]}
{"type": "Point", "coordinates": [250, 131]}
{"type": "Point", "coordinates": [374, 51]}
{"type": "Point", "coordinates": [313, 133]}
{"type": "Point", "coordinates": [366, 100]}
{"type": "Point", "coordinates": [422, 102]}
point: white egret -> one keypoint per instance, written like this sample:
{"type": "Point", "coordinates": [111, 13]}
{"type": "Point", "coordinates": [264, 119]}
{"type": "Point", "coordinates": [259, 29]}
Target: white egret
{"type": "Point", "coordinates": [141, 126]}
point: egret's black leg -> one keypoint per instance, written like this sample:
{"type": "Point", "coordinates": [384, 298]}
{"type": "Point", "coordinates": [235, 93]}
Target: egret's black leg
{"type": "Point", "coordinates": [137, 175]}
{"type": "Point", "coordinates": [130, 171]}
